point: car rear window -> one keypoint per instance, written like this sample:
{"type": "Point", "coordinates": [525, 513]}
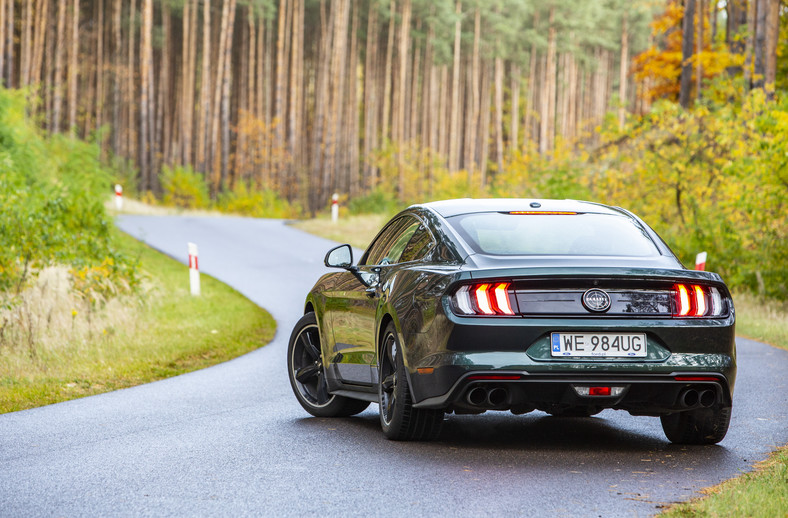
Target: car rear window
{"type": "Point", "coordinates": [498, 233]}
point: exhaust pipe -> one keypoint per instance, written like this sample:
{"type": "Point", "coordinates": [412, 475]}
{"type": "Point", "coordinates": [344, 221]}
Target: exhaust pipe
{"type": "Point", "coordinates": [476, 396]}
{"type": "Point", "coordinates": [497, 397]}
{"type": "Point", "coordinates": [689, 398]}
{"type": "Point", "coordinates": [707, 398]}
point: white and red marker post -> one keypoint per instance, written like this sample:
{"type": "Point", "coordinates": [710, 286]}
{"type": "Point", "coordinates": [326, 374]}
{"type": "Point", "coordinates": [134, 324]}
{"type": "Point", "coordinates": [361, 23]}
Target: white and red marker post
{"type": "Point", "coordinates": [335, 208]}
{"type": "Point", "coordinates": [194, 270]}
{"type": "Point", "coordinates": [118, 196]}
{"type": "Point", "coordinates": [700, 261]}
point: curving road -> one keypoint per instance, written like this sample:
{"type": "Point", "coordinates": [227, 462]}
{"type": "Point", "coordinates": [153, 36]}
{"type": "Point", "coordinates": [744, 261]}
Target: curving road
{"type": "Point", "coordinates": [232, 440]}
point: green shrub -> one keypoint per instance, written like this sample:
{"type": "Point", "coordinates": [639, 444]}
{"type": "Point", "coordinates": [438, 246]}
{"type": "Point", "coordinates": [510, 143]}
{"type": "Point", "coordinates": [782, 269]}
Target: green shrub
{"type": "Point", "coordinates": [52, 191]}
{"type": "Point", "coordinates": [246, 201]}
{"type": "Point", "coordinates": [183, 187]}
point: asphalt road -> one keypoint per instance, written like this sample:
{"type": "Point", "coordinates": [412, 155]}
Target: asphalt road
{"type": "Point", "coordinates": [232, 440]}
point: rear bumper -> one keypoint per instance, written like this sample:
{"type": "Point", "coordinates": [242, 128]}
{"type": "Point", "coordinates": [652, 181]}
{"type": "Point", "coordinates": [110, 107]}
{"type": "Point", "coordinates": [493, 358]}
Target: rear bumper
{"type": "Point", "coordinates": [642, 394]}
{"type": "Point", "coordinates": [520, 347]}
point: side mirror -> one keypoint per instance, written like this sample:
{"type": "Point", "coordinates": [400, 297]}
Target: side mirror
{"type": "Point", "coordinates": [339, 257]}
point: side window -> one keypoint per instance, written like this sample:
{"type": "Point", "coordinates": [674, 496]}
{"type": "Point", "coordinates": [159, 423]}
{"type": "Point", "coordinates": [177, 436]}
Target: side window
{"type": "Point", "coordinates": [399, 244]}
{"type": "Point", "coordinates": [377, 250]}
{"type": "Point", "coordinates": [418, 246]}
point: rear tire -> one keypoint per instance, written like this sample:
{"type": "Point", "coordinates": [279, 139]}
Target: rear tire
{"type": "Point", "coordinates": [398, 419]}
{"type": "Point", "coordinates": [307, 374]}
{"type": "Point", "coordinates": [699, 426]}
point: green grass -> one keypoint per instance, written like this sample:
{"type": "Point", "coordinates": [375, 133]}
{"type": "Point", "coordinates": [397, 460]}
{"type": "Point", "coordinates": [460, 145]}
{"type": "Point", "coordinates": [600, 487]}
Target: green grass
{"type": "Point", "coordinates": [760, 493]}
{"type": "Point", "coordinates": [164, 333]}
{"type": "Point", "coordinates": [763, 492]}
{"type": "Point", "coordinates": [760, 320]}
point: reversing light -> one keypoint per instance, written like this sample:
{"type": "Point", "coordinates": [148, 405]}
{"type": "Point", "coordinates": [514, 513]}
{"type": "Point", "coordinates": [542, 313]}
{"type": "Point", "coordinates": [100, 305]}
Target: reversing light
{"type": "Point", "coordinates": [597, 391]}
{"type": "Point", "coordinates": [489, 299]}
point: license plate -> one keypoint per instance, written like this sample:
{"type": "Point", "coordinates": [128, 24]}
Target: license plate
{"type": "Point", "coordinates": [603, 345]}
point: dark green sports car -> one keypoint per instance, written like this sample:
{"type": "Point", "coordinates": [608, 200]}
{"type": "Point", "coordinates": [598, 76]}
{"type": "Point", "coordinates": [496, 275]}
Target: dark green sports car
{"type": "Point", "coordinates": [567, 307]}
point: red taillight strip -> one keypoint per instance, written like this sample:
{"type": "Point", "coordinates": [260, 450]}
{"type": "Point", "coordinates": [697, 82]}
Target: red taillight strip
{"type": "Point", "coordinates": [683, 301]}
{"type": "Point", "coordinates": [502, 298]}
{"type": "Point", "coordinates": [483, 299]}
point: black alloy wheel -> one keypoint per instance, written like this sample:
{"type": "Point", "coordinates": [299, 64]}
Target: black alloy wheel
{"type": "Point", "coordinates": [398, 419]}
{"type": "Point", "coordinates": [307, 374]}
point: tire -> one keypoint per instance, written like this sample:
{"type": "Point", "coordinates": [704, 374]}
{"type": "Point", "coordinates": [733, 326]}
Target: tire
{"type": "Point", "coordinates": [307, 374]}
{"type": "Point", "coordinates": [398, 419]}
{"type": "Point", "coordinates": [700, 426]}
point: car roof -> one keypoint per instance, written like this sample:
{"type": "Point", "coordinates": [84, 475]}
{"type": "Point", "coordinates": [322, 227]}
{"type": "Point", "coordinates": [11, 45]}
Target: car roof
{"type": "Point", "coordinates": [449, 208]}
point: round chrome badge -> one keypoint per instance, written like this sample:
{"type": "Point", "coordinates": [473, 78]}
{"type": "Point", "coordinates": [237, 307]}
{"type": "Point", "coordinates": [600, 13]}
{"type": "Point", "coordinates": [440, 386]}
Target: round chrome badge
{"type": "Point", "coordinates": [596, 300]}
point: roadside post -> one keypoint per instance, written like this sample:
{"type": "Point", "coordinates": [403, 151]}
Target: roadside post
{"type": "Point", "coordinates": [194, 271]}
{"type": "Point", "coordinates": [700, 261]}
{"type": "Point", "coordinates": [335, 208]}
{"type": "Point", "coordinates": [118, 196]}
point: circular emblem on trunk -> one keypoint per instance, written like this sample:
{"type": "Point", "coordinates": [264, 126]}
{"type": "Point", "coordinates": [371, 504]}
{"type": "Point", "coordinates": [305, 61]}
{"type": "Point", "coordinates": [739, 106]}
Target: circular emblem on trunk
{"type": "Point", "coordinates": [596, 300]}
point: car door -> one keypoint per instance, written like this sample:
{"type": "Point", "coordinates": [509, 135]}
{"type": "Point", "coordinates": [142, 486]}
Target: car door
{"type": "Point", "coordinates": [355, 310]}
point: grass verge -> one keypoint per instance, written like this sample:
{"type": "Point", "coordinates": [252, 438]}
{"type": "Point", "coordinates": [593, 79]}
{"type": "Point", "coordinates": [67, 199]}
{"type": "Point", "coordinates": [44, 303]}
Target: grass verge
{"type": "Point", "coordinates": [169, 333]}
{"type": "Point", "coordinates": [763, 492]}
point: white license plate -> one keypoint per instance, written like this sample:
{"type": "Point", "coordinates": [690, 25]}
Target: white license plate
{"type": "Point", "coordinates": [604, 345]}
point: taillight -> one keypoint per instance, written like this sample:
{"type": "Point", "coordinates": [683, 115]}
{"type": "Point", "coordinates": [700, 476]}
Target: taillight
{"type": "Point", "coordinates": [486, 299]}
{"type": "Point", "coordinates": [693, 300]}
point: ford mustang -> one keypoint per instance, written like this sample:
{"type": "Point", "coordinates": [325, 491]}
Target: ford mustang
{"type": "Point", "coordinates": [566, 307]}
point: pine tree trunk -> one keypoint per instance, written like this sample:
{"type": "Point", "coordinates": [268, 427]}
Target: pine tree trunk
{"type": "Point", "coordinates": [484, 132]}
{"type": "Point", "coordinates": [404, 44]}
{"type": "Point", "coordinates": [281, 75]}
{"type": "Point", "coordinates": [100, 69]}
{"type": "Point", "coordinates": [26, 43]}
{"type": "Point", "coordinates": [204, 115]}
{"type": "Point", "coordinates": [57, 102]}
{"type": "Point", "coordinates": [699, 48]}
{"type": "Point", "coordinates": [473, 99]}
{"type": "Point", "coordinates": [736, 18]}
{"type": "Point", "coordinates": [117, 77]}
{"type": "Point", "coordinates": [772, 35]}
{"type": "Point", "coordinates": [39, 37]}
{"type": "Point", "coordinates": [371, 97]}
{"type": "Point", "coordinates": [454, 134]}
{"type": "Point", "coordinates": [547, 114]}
{"type": "Point", "coordinates": [73, 71]}
{"type": "Point", "coordinates": [687, 46]}
{"type": "Point", "coordinates": [760, 50]}
{"type": "Point", "coordinates": [131, 117]}
{"type": "Point", "coordinates": [530, 100]}
{"type": "Point", "coordinates": [146, 62]}
{"type": "Point", "coordinates": [514, 131]}
{"type": "Point", "coordinates": [623, 69]}
{"type": "Point", "coordinates": [387, 76]}
{"type": "Point", "coordinates": [353, 114]}
{"type": "Point", "coordinates": [9, 45]}
{"type": "Point", "coordinates": [220, 129]}
{"type": "Point", "coordinates": [498, 115]}
{"type": "Point", "coordinates": [3, 29]}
